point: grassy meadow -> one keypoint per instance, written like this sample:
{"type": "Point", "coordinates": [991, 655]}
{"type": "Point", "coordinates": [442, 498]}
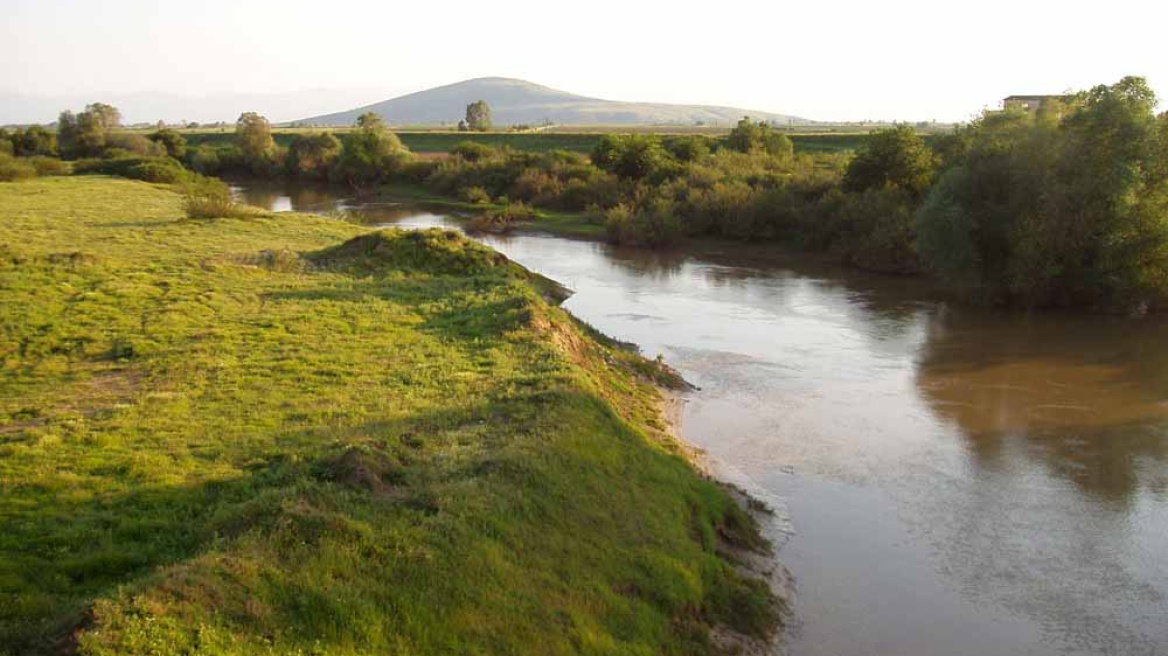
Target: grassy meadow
{"type": "Point", "coordinates": [285, 434]}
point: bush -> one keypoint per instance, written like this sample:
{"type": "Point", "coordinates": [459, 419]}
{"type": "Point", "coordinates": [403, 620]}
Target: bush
{"type": "Point", "coordinates": [1065, 207]}
{"type": "Point", "coordinates": [209, 198]}
{"type": "Point", "coordinates": [631, 156]}
{"type": "Point", "coordinates": [149, 169]}
{"type": "Point", "coordinates": [12, 169]}
{"type": "Point", "coordinates": [475, 195]}
{"type": "Point", "coordinates": [160, 171]}
{"type": "Point", "coordinates": [119, 143]}
{"type": "Point", "coordinates": [655, 225]}
{"type": "Point", "coordinates": [312, 155]}
{"type": "Point", "coordinates": [48, 166]}
{"type": "Point", "coordinates": [32, 142]}
{"type": "Point", "coordinates": [503, 219]}
{"type": "Point", "coordinates": [472, 151]}
{"type": "Point", "coordinates": [878, 231]}
{"type": "Point", "coordinates": [749, 136]}
{"type": "Point", "coordinates": [174, 143]}
{"type": "Point", "coordinates": [204, 160]}
{"type": "Point", "coordinates": [897, 158]}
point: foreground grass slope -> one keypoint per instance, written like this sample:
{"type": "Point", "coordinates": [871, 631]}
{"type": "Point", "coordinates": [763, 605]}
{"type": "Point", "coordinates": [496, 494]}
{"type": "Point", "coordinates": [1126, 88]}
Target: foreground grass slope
{"type": "Point", "coordinates": [290, 435]}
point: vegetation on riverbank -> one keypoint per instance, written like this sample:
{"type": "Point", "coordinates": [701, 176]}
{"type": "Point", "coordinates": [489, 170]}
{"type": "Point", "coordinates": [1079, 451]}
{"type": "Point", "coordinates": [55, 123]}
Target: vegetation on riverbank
{"type": "Point", "coordinates": [1066, 206]}
{"type": "Point", "coordinates": [583, 142]}
{"type": "Point", "coordinates": [285, 434]}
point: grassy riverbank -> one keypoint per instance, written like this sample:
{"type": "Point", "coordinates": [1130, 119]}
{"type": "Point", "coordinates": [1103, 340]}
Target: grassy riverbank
{"type": "Point", "coordinates": [286, 434]}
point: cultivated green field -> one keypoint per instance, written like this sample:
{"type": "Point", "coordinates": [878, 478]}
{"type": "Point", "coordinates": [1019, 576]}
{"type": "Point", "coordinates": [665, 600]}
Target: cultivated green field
{"type": "Point", "coordinates": [288, 435]}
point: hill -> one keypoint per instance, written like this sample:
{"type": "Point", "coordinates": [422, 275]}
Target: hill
{"type": "Point", "coordinates": [518, 102]}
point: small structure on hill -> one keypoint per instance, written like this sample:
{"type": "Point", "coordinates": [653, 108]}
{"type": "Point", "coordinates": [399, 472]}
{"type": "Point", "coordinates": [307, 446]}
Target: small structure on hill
{"type": "Point", "coordinates": [1029, 103]}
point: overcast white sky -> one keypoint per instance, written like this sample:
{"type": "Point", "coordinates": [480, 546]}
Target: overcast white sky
{"type": "Point", "coordinates": [843, 60]}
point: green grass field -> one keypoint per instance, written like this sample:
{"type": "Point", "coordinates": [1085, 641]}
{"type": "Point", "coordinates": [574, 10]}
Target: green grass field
{"type": "Point", "coordinates": [287, 435]}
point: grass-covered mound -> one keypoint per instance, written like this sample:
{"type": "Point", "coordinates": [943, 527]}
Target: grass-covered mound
{"type": "Point", "coordinates": [280, 435]}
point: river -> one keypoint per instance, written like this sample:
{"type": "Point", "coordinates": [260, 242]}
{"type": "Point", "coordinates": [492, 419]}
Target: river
{"type": "Point", "coordinates": [958, 481]}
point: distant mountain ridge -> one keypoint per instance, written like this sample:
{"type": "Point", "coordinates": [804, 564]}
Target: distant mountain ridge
{"type": "Point", "coordinates": [515, 102]}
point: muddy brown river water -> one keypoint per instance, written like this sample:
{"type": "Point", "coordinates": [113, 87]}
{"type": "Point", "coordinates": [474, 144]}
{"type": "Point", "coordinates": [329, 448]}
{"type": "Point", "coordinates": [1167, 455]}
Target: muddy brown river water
{"type": "Point", "coordinates": [956, 481]}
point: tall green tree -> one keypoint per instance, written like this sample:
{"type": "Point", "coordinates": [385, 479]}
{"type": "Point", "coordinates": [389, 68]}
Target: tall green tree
{"type": "Point", "coordinates": [371, 154]}
{"type": "Point", "coordinates": [758, 136]}
{"type": "Point", "coordinates": [85, 134]}
{"type": "Point", "coordinates": [896, 158]}
{"type": "Point", "coordinates": [478, 116]}
{"type": "Point", "coordinates": [253, 134]}
{"type": "Point", "coordinates": [174, 143]}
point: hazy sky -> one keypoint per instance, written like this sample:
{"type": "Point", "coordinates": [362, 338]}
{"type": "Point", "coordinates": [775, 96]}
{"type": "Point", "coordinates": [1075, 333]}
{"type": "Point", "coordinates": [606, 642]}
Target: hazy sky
{"type": "Point", "coordinates": [844, 60]}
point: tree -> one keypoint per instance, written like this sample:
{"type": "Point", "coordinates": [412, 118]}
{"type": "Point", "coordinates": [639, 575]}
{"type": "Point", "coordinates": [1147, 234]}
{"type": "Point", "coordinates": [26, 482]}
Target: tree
{"type": "Point", "coordinates": [85, 134]}
{"type": "Point", "coordinates": [312, 155]}
{"type": "Point", "coordinates": [894, 158]}
{"type": "Point", "coordinates": [751, 136]}
{"type": "Point", "coordinates": [253, 134]}
{"type": "Point", "coordinates": [106, 117]}
{"type": "Point", "coordinates": [689, 148]}
{"type": "Point", "coordinates": [630, 156]}
{"type": "Point", "coordinates": [33, 141]}
{"type": "Point", "coordinates": [1067, 207]}
{"type": "Point", "coordinates": [478, 116]}
{"type": "Point", "coordinates": [174, 143]}
{"type": "Point", "coordinates": [371, 154]}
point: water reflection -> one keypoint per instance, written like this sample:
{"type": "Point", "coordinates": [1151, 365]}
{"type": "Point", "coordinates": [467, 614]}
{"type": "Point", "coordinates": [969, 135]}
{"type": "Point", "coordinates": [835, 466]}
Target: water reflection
{"type": "Point", "coordinates": [1087, 395]}
{"type": "Point", "coordinates": [288, 197]}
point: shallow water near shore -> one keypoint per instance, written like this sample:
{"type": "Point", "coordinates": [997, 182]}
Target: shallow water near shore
{"type": "Point", "coordinates": [958, 481]}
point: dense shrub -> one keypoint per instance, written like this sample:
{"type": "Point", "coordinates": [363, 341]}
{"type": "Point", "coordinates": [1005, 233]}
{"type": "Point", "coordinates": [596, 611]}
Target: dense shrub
{"type": "Point", "coordinates": [1068, 206]}
{"type": "Point", "coordinates": [502, 219]}
{"type": "Point", "coordinates": [150, 169]}
{"type": "Point", "coordinates": [119, 144]}
{"type": "Point", "coordinates": [48, 166]}
{"type": "Point", "coordinates": [877, 231]}
{"type": "Point", "coordinates": [689, 148]}
{"type": "Point", "coordinates": [160, 170]}
{"type": "Point", "coordinates": [472, 151]}
{"type": "Point", "coordinates": [32, 141]}
{"type": "Point", "coordinates": [173, 142]}
{"type": "Point", "coordinates": [204, 160]}
{"type": "Point", "coordinates": [894, 158]}
{"type": "Point", "coordinates": [750, 136]}
{"type": "Point", "coordinates": [476, 195]}
{"type": "Point", "coordinates": [13, 168]}
{"type": "Point", "coordinates": [209, 198]}
{"type": "Point", "coordinates": [653, 224]}
{"type": "Point", "coordinates": [312, 156]}
{"type": "Point", "coordinates": [632, 156]}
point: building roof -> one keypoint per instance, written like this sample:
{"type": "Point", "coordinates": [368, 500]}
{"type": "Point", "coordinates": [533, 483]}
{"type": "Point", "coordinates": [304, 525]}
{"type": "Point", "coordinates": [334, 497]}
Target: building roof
{"type": "Point", "coordinates": [1046, 97]}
